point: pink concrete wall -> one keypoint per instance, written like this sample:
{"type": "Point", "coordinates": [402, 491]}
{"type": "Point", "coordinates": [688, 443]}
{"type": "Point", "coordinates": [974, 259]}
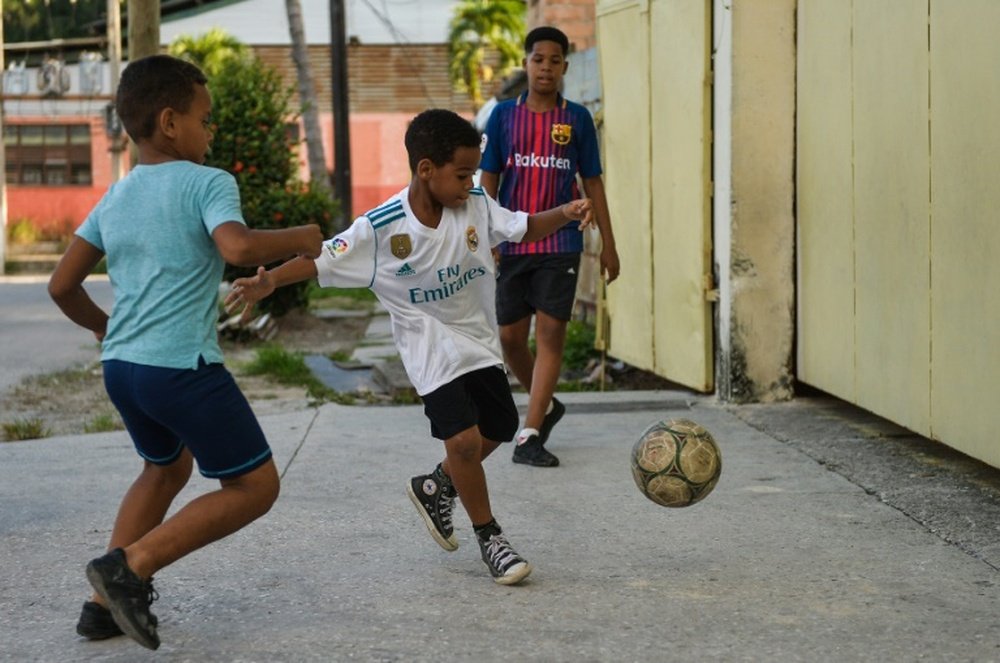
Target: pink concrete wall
{"type": "Point", "coordinates": [379, 169]}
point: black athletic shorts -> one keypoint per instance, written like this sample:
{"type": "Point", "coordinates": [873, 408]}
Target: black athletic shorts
{"type": "Point", "coordinates": [481, 398]}
{"type": "Point", "coordinates": [537, 282]}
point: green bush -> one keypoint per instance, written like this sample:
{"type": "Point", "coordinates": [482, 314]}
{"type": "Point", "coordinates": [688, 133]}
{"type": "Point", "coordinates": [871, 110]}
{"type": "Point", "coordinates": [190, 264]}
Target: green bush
{"type": "Point", "coordinates": [250, 113]}
{"type": "Point", "coordinates": [579, 348]}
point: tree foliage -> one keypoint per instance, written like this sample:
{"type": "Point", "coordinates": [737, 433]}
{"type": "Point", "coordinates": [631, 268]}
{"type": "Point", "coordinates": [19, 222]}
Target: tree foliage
{"type": "Point", "coordinates": [254, 140]}
{"type": "Point", "coordinates": [477, 27]}
{"type": "Point", "coordinates": [209, 51]}
{"type": "Point", "coordinates": [43, 20]}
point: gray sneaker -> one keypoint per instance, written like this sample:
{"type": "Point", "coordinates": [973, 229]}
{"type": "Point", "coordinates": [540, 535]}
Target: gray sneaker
{"type": "Point", "coordinates": [434, 497]}
{"type": "Point", "coordinates": [128, 596]}
{"type": "Point", "coordinates": [506, 566]}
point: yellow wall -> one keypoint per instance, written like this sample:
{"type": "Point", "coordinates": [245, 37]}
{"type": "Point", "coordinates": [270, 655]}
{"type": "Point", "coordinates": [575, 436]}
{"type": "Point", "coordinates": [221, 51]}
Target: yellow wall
{"type": "Point", "coordinates": [654, 57]}
{"type": "Point", "coordinates": [896, 212]}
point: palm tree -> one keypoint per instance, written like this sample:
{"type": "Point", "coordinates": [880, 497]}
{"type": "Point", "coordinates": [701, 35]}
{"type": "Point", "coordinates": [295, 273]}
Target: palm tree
{"type": "Point", "coordinates": [478, 25]}
{"type": "Point", "coordinates": [210, 50]}
{"type": "Point", "coordinates": [307, 97]}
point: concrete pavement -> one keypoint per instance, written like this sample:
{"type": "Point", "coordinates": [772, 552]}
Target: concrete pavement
{"type": "Point", "coordinates": [831, 536]}
{"type": "Point", "coordinates": [35, 337]}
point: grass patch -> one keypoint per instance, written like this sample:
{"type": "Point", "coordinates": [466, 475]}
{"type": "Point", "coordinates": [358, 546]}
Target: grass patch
{"type": "Point", "coordinates": [25, 429]}
{"type": "Point", "coordinates": [289, 368]}
{"type": "Point", "coordinates": [103, 423]}
{"type": "Point", "coordinates": [350, 299]}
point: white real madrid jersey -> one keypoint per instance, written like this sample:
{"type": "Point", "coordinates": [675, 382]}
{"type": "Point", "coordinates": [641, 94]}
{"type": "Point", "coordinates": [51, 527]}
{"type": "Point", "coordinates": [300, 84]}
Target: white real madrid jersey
{"type": "Point", "coordinates": [438, 284]}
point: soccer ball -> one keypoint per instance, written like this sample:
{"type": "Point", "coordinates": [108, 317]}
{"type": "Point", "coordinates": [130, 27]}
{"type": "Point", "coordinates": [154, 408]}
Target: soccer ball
{"type": "Point", "coordinates": [676, 463]}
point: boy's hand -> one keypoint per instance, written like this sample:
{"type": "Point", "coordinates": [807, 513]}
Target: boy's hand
{"type": "Point", "coordinates": [312, 241]}
{"type": "Point", "coordinates": [579, 210]}
{"type": "Point", "coordinates": [248, 291]}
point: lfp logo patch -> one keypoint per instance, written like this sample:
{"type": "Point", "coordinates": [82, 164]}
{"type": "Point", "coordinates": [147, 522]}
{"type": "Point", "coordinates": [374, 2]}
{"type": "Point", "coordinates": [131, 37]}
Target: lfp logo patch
{"type": "Point", "coordinates": [337, 247]}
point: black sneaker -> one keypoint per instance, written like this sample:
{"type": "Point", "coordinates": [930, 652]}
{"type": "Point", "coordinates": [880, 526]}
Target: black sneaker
{"type": "Point", "coordinates": [435, 499]}
{"type": "Point", "coordinates": [550, 420]}
{"type": "Point", "coordinates": [531, 452]}
{"type": "Point", "coordinates": [506, 566]}
{"type": "Point", "coordinates": [96, 622]}
{"type": "Point", "coordinates": [128, 597]}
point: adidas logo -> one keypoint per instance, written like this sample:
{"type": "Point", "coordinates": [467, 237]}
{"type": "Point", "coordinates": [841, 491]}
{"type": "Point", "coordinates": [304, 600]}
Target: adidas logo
{"type": "Point", "coordinates": [571, 271]}
{"type": "Point", "coordinates": [406, 270]}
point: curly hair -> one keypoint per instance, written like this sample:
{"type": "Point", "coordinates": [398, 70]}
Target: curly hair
{"type": "Point", "coordinates": [151, 84]}
{"type": "Point", "coordinates": [546, 33]}
{"type": "Point", "coordinates": [435, 134]}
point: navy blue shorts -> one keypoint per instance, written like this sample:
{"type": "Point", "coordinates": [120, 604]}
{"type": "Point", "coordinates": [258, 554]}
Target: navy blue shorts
{"type": "Point", "coordinates": [480, 398]}
{"type": "Point", "coordinates": [536, 282]}
{"type": "Point", "coordinates": [167, 409]}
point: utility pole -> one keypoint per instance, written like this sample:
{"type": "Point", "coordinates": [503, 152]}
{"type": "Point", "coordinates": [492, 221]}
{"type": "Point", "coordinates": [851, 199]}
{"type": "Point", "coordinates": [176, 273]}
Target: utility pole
{"type": "Point", "coordinates": [143, 38]}
{"type": "Point", "coordinates": [341, 111]}
{"type": "Point", "coordinates": [143, 28]}
{"type": "Point", "coordinates": [115, 58]}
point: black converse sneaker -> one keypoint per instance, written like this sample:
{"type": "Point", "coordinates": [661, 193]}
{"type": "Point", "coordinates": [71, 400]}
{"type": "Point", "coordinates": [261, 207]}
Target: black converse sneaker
{"type": "Point", "coordinates": [550, 420]}
{"type": "Point", "coordinates": [506, 566]}
{"type": "Point", "coordinates": [434, 497]}
{"type": "Point", "coordinates": [128, 596]}
{"type": "Point", "coordinates": [531, 452]}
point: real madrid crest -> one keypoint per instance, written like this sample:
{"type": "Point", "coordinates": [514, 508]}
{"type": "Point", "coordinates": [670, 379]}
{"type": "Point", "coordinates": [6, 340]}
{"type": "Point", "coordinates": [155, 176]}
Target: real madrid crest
{"type": "Point", "coordinates": [561, 133]}
{"type": "Point", "coordinates": [400, 245]}
{"type": "Point", "coordinates": [471, 238]}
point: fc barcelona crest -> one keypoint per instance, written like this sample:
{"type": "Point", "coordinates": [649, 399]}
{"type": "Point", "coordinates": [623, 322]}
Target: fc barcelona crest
{"type": "Point", "coordinates": [400, 245]}
{"type": "Point", "coordinates": [561, 133]}
{"type": "Point", "coordinates": [472, 238]}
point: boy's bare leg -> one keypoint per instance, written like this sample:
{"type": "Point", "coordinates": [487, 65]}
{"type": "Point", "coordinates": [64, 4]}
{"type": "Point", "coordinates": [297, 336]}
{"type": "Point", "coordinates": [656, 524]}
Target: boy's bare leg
{"type": "Point", "coordinates": [208, 518]}
{"type": "Point", "coordinates": [539, 373]}
{"type": "Point", "coordinates": [464, 465]}
{"type": "Point", "coordinates": [550, 340]}
{"type": "Point", "coordinates": [146, 503]}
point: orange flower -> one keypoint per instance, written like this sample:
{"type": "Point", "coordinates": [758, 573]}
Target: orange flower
{"type": "Point", "coordinates": [278, 216]}
{"type": "Point", "coordinates": [238, 168]}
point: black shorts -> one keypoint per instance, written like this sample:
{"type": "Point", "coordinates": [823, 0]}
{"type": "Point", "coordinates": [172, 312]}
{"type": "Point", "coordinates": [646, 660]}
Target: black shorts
{"type": "Point", "coordinates": [538, 282]}
{"type": "Point", "coordinates": [481, 398]}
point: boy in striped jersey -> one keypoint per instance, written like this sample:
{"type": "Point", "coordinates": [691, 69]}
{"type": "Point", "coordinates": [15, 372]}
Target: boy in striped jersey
{"type": "Point", "coordinates": [425, 253]}
{"type": "Point", "coordinates": [534, 147]}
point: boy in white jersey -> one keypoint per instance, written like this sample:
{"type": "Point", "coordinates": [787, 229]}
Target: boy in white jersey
{"type": "Point", "coordinates": [426, 254]}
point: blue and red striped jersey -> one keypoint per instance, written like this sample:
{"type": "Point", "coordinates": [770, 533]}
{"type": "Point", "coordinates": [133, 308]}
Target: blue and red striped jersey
{"type": "Point", "coordinates": [537, 156]}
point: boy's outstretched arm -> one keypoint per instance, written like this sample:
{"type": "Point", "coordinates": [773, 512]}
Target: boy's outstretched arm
{"type": "Point", "coordinates": [249, 290]}
{"type": "Point", "coordinates": [545, 223]}
{"type": "Point", "coordinates": [245, 247]}
{"type": "Point", "coordinates": [66, 287]}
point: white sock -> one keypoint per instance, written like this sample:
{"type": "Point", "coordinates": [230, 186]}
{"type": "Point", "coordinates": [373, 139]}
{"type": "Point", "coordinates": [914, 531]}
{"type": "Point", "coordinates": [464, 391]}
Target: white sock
{"type": "Point", "coordinates": [525, 433]}
{"type": "Point", "coordinates": [552, 404]}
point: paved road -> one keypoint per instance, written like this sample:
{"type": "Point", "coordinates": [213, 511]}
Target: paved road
{"type": "Point", "coordinates": [786, 561]}
{"type": "Point", "coordinates": [35, 337]}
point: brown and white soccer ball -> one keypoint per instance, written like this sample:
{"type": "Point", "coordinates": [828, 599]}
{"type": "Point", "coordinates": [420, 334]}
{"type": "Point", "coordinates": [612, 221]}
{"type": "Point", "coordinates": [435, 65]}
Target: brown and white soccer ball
{"type": "Point", "coordinates": [676, 463]}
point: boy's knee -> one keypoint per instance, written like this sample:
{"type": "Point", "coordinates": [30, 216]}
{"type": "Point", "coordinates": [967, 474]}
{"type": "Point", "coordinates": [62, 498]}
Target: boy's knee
{"type": "Point", "coordinates": [172, 477]}
{"type": "Point", "coordinates": [261, 486]}
{"type": "Point", "coordinates": [466, 446]}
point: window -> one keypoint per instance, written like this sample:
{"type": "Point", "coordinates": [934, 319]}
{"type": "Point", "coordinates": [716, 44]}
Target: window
{"type": "Point", "coordinates": [48, 154]}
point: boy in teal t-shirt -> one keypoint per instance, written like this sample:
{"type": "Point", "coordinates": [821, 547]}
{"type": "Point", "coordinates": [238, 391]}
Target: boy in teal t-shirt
{"type": "Point", "coordinates": [167, 230]}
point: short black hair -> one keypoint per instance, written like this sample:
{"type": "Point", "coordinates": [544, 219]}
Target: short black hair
{"type": "Point", "coordinates": [151, 84]}
{"type": "Point", "coordinates": [435, 134]}
{"type": "Point", "coordinates": [546, 33]}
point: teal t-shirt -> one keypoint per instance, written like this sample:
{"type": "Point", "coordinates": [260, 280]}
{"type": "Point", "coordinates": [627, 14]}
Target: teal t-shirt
{"type": "Point", "coordinates": [155, 227]}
